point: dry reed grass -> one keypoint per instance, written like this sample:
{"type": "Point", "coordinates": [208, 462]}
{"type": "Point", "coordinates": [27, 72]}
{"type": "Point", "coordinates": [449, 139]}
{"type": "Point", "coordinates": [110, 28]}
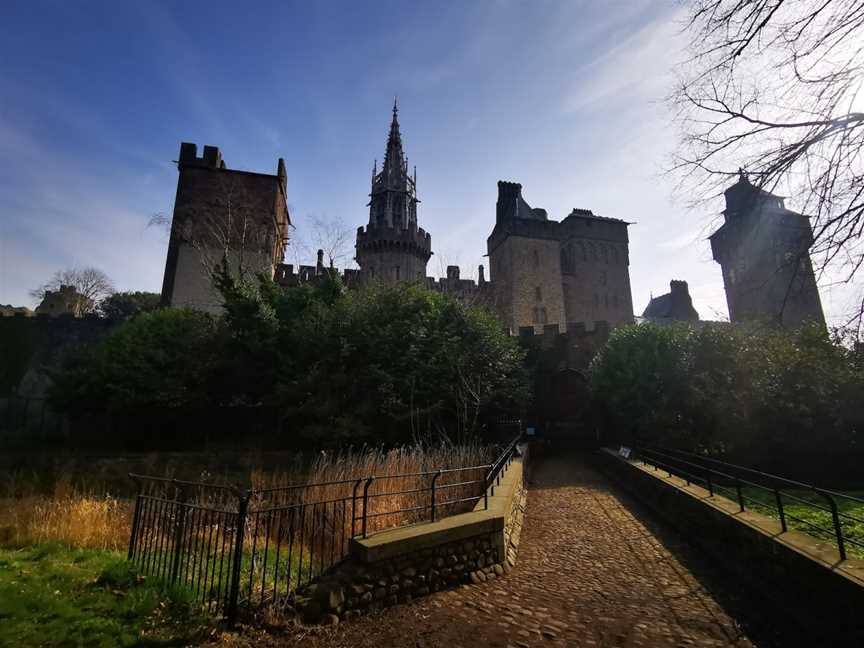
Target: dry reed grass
{"type": "Point", "coordinates": [75, 519]}
{"type": "Point", "coordinates": [88, 519]}
{"type": "Point", "coordinates": [393, 501]}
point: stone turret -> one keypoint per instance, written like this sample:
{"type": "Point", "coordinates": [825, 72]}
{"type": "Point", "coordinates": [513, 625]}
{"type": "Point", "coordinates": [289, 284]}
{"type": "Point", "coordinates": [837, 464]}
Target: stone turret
{"type": "Point", "coordinates": [763, 249]}
{"type": "Point", "coordinates": [218, 210]}
{"type": "Point", "coordinates": [392, 247]}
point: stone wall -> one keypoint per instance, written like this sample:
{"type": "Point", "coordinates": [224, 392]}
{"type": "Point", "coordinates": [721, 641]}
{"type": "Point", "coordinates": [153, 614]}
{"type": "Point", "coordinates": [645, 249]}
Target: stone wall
{"type": "Point", "coordinates": [355, 587]}
{"type": "Point", "coordinates": [800, 576]}
{"type": "Point", "coordinates": [215, 209]}
{"type": "Point", "coordinates": [399, 565]}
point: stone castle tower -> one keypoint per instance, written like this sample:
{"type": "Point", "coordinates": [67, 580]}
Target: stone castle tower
{"type": "Point", "coordinates": [550, 273]}
{"type": "Point", "coordinates": [221, 213]}
{"type": "Point", "coordinates": [392, 247]}
{"type": "Point", "coordinates": [763, 249]}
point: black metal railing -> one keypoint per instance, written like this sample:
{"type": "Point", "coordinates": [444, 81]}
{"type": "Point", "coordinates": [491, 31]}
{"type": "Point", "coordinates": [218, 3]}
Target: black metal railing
{"type": "Point", "coordinates": [745, 485]}
{"type": "Point", "coordinates": [255, 548]}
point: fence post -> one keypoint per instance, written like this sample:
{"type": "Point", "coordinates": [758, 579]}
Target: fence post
{"type": "Point", "coordinates": [740, 496]}
{"type": "Point", "coordinates": [234, 591]}
{"type": "Point", "coordinates": [835, 517]}
{"type": "Point", "coordinates": [354, 505]}
{"type": "Point", "coordinates": [180, 502]}
{"type": "Point", "coordinates": [135, 521]}
{"type": "Point", "coordinates": [780, 508]}
{"type": "Point", "coordinates": [434, 479]}
{"type": "Point", "coordinates": [486, 492]}
{"type": "Point", "coordinates": [366, 502]}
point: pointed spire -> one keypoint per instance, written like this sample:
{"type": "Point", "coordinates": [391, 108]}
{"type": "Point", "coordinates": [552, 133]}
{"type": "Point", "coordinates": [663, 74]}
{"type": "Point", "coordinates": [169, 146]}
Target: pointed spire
{"type": "Point", "coordinates": [394, 160]}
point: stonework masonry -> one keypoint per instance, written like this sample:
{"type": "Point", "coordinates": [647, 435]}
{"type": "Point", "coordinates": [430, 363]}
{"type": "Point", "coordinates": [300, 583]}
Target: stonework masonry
{"type": "Point", "coordinates": [392, 247]}
{"type": "Point", "coordinates": [542, 272]}
{"type": "Point", "coordinates": [402, 564]}
{"type": "Point", "coordinates": [763, 249]}
{"type": "Point", "coordinates": [798, 573]}
{"type": "Point", "coordinates": [221, 213]}
{"type": "Point", "coordinates": [547, 272]}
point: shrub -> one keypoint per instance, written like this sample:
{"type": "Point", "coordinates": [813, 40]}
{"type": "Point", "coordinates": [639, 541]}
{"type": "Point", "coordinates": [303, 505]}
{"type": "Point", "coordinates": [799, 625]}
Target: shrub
{"type": "Point", "coordinates": [318, 364]}
{"type": "Point", "coordinates": [790, 400]}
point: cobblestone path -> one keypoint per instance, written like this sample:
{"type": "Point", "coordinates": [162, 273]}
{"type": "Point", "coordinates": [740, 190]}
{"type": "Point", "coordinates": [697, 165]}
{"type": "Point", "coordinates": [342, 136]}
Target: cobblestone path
{"type": "Point", "coordinates": [589, 573]}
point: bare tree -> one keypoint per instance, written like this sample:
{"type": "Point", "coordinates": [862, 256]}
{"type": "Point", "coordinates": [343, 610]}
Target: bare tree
{"type": "Point", "coordinates": [330, 235]}
{"type": "Point", "coordinates": [231, 226]}
{"type": "Point", "coordinates": [91, 286]}
{"type": "Point", "coordinates": [775, 86]}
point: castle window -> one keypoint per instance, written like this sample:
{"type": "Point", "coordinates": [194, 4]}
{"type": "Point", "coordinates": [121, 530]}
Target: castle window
{"type": "Point", "coordinates": [580, 252]}
{"type": "Point", "coordinates": [592, 251]}
{"type": "Point", "coordinates": [614, 255]}
{"type": "Point", "coordinates": [535, 258]}
{"type": "Point", "coordinates": [538, 294]}
{"type": "Point", "coordinates": [603, 278]}
{"type": "Point", "coordinates": [396, 272]}
{"type": "Point", "coordinates": [596, 300]}
{"type": "Point", "coordinates": [606, 300]}
{"type": "Point", "coordinates": [605, 253]}
{"type": "Point", "coordinates": [535, 313]}
{"type": "Point", "coordinates": [542, 315]}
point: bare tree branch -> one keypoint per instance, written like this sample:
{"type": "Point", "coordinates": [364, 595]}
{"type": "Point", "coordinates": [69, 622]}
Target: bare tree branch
{"type": "Point", "coordinates": [775, 86]}
{"type": "Point", "coordinates": [91, 287]}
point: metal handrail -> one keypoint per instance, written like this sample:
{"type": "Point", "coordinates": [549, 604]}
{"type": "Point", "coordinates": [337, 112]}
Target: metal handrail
{"type": "Point", "coordinates": [231, 544]}
{"type": "Point", "coordinates": [779, 489]}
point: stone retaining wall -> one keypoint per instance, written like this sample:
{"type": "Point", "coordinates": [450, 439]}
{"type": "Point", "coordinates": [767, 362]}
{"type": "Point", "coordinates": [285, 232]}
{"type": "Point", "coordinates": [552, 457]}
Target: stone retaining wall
{"type": "Point", "coordinates": [800, 576]}
{"type": "Point", "coordinates": [399, 565]}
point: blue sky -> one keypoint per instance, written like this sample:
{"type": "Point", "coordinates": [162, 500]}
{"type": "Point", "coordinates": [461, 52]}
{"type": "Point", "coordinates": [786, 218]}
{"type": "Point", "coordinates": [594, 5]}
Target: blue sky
{"type": "Point", "coordinates": [564, 97]}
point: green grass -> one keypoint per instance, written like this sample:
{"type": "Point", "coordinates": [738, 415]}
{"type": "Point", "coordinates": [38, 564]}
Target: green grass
{"type": "Point", "coordinates": [51, 595]}
{"type": "Point", "coordinates": [217, 580]}
{"type": "Point", "coordinates": [801, 516]}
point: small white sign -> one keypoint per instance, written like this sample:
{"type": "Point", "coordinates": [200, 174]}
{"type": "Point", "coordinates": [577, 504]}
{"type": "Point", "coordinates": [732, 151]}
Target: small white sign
{"type": "Point", "coordinates": [624, 451]}
{"type": "Point", "coordinates": [530, 431]}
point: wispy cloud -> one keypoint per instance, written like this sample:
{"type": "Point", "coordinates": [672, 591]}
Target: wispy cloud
{"type": "Point", "coordinates": [640, 60]}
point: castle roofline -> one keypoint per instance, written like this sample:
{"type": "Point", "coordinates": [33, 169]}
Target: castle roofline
{"type": "Point", "coordinates": [211, 159]}
{"type": "Point", "coordinates": [587, 213]}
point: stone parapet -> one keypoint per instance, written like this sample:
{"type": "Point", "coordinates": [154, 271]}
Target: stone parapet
{"type": "Point", "coordinates": [373, 237]}
{"type": "Point", "coordinates": [401, 564]}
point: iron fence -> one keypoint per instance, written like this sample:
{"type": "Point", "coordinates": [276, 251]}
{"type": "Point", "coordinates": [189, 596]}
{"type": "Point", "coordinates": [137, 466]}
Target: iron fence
{"type": "Point", "coordinates": [236, 548]}
{"type": "Point", "coordinates": [741, 484]}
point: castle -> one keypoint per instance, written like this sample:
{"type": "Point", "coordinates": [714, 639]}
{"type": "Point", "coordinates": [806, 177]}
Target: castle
{"type": "Point", "coordinates": [544, 275]}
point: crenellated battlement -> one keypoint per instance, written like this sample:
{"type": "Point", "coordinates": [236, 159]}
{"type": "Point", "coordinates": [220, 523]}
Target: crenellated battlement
{"type": "Point", "coordinates": [211, 158]}
{"type": "Point", "coordinates": [573, 329]}
{"type": "Point", "coordinates": [371, 233]}
{"type": "Point", "coordinates": [377, 238]}
{"type": "Point", "coordinates": [573, 348]}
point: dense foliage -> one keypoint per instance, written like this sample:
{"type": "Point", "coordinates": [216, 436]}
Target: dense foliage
{"type": "Point", "coordinates": [771, 398]}
{"type": "Point", "coordinates": [320, 364]}
{"type": "Point", "coordinates": [121, 306]}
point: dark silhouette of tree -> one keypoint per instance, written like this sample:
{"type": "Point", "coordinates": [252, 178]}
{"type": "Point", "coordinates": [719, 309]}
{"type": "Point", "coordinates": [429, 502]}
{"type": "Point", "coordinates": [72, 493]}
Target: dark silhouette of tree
{"type": "Point", "coordinates": [122, 306]}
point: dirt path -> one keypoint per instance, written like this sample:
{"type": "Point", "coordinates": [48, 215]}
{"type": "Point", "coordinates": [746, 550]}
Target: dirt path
{"type": "Point", "coordinates": [590, 573]}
